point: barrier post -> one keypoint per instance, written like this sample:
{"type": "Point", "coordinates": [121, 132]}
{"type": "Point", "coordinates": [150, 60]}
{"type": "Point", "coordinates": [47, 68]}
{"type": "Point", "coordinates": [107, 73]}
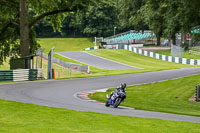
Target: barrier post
{"type": "Point", "coordinates": [50, 63]}
{"type": "Point", "coordinates": [54, 76]}
{"type": "Point", "coordinates": [197, 93]}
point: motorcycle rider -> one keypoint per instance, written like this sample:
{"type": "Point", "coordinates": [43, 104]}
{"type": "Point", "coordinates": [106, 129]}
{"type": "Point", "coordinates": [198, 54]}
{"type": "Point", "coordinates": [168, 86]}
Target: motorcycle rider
{"type": "Point", "coordinates": [114, 94]}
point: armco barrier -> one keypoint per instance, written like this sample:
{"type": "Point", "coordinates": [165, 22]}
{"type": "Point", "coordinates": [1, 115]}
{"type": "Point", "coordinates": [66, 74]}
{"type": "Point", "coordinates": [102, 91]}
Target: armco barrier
{"type": "Point", "coordinates": [68, 65]}
{"type": "Point", "coordinates": [162, 57]}
{"type": "Point", "coordinates": [21, 75]}
{"type": "Point", "coordinates": [158, 56]}
{"type": "Point", "coordinates": [6, 75]}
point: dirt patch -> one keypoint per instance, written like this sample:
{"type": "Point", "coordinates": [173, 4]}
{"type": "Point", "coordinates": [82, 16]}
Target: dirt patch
{"type": "Point", "coordinates": [193, 99]}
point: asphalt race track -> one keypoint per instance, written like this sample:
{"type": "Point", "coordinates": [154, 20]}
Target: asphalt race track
{"type": "Point", "coordinates": [95, 61]}
{"type": "Point", "coordinates": [61, 93]}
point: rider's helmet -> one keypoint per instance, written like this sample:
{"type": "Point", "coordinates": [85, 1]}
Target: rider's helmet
{"type": "Point", "coordinates": [121, 86]}
{"type": "Point", "coordinates": [124, 86]}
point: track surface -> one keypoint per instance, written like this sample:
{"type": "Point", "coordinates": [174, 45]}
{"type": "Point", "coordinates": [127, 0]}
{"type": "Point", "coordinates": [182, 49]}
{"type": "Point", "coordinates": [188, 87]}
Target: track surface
{"type": "Point", "coordinates": [61, 93]}
{"type": "Point", "coordinates": [95, 61]}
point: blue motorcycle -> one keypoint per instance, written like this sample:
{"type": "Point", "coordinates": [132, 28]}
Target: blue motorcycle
{"type": "Point", "coordinates": [115, 99]}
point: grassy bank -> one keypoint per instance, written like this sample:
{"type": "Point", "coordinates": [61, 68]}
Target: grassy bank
{"type": "Point", "coordinates": [5, 66]}
{"type": "Point", "coordinates": [185, 55]}
{"type": "Point", "coordinates": [170, 96]}
{"type": "Point", "coordinates": [145, 64]}
{"type": "Point", "coordinates": [65, 44]}
{"type": "Point", "coordinates": [137, 60]}
{"type": "Point", "coordinates": [22, 118]}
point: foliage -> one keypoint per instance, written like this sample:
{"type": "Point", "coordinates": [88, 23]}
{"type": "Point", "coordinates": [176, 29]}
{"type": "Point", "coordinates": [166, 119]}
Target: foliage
{"type": "Point", "coordinates": [93, 18]}
{"type": "Point", "coordinates": [163, 17]}
{"type": "Point", "coordinates": [100, 20]}
{"type": "Point", "coordinates": [96, 20]}
{"type": "Point", "coordinates": [53, 10]}
{"type": "Point", "coordinates": [195, 38]}
{"type": "Point", "coordinates": [130, 15]}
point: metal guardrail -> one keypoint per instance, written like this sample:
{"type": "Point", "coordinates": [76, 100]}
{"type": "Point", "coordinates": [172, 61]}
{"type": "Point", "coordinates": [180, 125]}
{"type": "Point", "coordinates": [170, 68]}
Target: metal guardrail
{"type": "Point", "coordinates": [21, 75]}
{"type": "Point", "coordinates": [194, 52]}
{"type": "Point", "coordinates": [68, 65]}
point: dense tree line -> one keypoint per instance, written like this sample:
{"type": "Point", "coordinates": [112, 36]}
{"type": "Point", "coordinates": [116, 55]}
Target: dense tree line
{"type": "Point", "coordinates": [20, 20]}
{"type": "Point", "coordinates": [163, 17]}
{"type": "Point", "coordinates": [96, 20]}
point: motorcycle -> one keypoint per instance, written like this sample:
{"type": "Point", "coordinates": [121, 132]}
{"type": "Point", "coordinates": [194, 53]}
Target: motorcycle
{"type": "Point", "coordinates": [115, 99]}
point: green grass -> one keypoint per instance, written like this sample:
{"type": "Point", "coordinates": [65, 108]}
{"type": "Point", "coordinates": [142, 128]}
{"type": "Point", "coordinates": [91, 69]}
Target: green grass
{"type": "Point", "coordinates": [170, 96]}
{"type": "Point", "coordinates": [146, 64]}
{"type": "Point", "coordinates": [5, 66]}
{"type": "Point", "coordinates": [65, 44]}
{"type": "Point", "coordinates": [61, 72]}
{"type": "Point", "coordinates": [140, 61]}
{"type": "Point", "coordinates": [92, 69]}
{"type": "Point", "coordinates": [186, 54]}
{"type": "Point", "coordinates": [18, 117]}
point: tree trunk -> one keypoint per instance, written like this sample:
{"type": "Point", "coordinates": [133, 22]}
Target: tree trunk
{"type": "Point", "coordinates": [174, 39]}
{"type": "Point", "coordinates": [24, 29]}
{"type": "Point", "coordinates": [158, 35]}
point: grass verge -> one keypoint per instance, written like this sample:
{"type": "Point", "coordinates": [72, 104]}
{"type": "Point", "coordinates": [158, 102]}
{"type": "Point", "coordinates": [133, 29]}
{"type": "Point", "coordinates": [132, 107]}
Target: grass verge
{"type": "Point", "coordinates": [170, 96]}
{"type": "Point", "coordinates": [186, 54]}
{"type": "Point", "coordinates": [65, 44]}
{"type": "Point", "coordinates": [146, 64]}
{"type": "Point", "coordinates": [137, 60]}
{"type": "Point", "coordinates": [18, 117]}
{"type": "Point", "coordinates": [6, 65]}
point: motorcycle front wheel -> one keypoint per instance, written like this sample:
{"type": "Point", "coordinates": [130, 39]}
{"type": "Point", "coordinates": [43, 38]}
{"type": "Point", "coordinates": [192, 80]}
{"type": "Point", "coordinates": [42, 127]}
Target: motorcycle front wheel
{"type": "Point", "coordinates": [107, 103]}
{"type": "Point", "coordinates": [117, 102]}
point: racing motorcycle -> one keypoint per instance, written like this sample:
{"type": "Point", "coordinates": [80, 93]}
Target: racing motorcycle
{"type": "Point", "coordinates": [115, 99]}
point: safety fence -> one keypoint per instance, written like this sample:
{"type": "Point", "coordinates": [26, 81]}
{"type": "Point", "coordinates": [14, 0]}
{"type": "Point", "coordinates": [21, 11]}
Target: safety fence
{"type": "Point", "coordinates": [163, 57]}
{"type": "Point", "coordinates": [159, 56]}
{"type": "Point", "coordinates": [21, 75]}
{"type": "Point", "coordinates": [68, 65]}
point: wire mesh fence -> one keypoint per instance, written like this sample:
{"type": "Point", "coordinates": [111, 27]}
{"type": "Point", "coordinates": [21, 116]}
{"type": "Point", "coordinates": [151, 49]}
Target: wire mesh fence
{"type": "Point", "coordinates": [177, 51]}
{"type": "Point", "coordinates": [68, 65]}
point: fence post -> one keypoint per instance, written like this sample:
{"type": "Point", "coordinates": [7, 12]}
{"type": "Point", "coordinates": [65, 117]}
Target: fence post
{"type": "Point", "coordinates": [197, 93]}
{"type": "Point", "coordinates": [50, 63]}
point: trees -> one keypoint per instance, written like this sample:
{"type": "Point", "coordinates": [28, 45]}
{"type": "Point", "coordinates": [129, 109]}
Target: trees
{"type": "Point", "coordinates": [96, 20]}
{"type": "Point", "coordinates": [163, 17]}
{"type": "Point", "coordinates": [17, 18]}
{"type": "Point", "coordinates": [130, 15]}
{"type": "Point", "coordinates": [93, 17]}
{"type": "Point", "coordinates": [181, 16]}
